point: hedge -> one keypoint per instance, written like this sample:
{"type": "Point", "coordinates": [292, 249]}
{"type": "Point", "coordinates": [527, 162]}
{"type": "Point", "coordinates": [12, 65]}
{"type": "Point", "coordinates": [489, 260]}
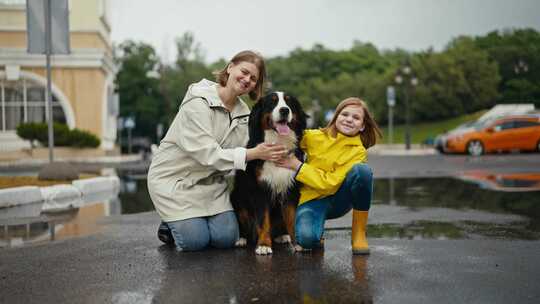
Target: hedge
{"type": "Point", "coordinates": [63, 136]}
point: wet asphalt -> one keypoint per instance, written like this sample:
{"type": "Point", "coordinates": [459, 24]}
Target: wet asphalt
{"type": "Point", "coordinates": [124, 262]}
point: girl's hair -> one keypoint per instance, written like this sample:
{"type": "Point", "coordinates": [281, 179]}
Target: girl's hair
{"type": "Point", "coordinates": [246, 56]}
{"type": "Point", "coordinates": [371, 130]}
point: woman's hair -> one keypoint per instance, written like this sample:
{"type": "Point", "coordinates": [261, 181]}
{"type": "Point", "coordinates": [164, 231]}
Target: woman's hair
{"type": "Point", "coordinates": [368, 134]}
{"type": "Point", "coordinates": [246, 56]}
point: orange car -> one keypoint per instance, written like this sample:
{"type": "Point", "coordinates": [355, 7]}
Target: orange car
{"type": "Point", "coordinates": [507, 133]}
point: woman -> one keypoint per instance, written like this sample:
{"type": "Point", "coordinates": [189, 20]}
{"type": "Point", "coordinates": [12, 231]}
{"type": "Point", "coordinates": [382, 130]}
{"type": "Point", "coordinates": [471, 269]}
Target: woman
{"type": "Point", "coordinates": [335, 177]}
{"type": "Point", "coordinates": [205, 142]}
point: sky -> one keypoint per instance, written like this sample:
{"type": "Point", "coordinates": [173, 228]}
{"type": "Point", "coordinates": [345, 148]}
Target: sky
{"type": "Point", "coordinates": [276, 27]}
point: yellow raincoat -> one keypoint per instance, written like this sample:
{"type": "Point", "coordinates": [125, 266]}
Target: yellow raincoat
{"type": "Point", "coordinates": [328, 161]}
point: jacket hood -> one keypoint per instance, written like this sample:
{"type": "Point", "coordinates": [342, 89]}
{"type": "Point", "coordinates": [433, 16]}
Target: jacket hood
{"type": "Point", "coordinates": [207, 90]}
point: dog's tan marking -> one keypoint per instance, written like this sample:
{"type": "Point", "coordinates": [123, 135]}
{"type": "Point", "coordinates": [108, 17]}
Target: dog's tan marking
{"type": "Point", "coordinates": [264, 231]}
{"type": "Point", "coordinates": [266, 121]}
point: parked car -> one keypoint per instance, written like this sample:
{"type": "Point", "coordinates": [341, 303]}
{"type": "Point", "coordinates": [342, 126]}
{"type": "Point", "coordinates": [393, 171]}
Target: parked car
{"type": "Point", "coordinates": [495, 112]}
{"type": "Point", "coordinates": [505, 133]}
{"type": "Point", "coordinates": [439, 142]}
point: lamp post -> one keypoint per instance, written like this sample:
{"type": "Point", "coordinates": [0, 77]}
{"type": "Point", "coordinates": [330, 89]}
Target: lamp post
{"type": "Point", "coordinates": [406, 77]}
{"type": "Point", "coordinates": [520, 67]}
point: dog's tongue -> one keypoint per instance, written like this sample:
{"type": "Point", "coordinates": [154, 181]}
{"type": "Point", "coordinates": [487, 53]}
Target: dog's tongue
{"type": "Point", "coordinates": [282, 128]}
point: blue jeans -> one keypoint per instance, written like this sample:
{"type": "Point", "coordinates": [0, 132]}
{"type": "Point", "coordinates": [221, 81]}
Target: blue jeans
{"type": "Point", "coordinates": [355, 192]}
{"type": "Point", "coordinates": [219, 231]}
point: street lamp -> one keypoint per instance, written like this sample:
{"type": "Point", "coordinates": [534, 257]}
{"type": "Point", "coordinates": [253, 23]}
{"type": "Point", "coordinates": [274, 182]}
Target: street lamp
{"type": "Point", "coordinates": [406, 77]}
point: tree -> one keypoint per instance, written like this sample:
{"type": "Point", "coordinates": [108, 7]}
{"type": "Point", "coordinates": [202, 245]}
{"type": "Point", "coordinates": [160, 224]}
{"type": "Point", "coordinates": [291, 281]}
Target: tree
{"type": "Point", "coordinates": [189, 67]}
{"type": "Point", "coordinates": [481, 76]}
{"type": "Point", "coordinates": [139, 92]}
{"type": "Point", "coordinates": [507, 48]}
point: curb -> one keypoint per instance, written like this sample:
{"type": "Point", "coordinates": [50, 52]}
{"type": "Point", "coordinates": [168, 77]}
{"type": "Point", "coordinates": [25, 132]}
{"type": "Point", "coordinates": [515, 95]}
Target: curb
{"type": "Point", "coordinates": [11, 197]}
{"type": "Point", "coordinates": [58, 196]}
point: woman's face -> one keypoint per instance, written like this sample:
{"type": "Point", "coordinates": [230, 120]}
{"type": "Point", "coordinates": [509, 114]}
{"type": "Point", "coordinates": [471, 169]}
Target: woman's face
{"type": "Point", "coordinates": [243, 77]}
{"type": "Point", "coordinates": [350, 120]}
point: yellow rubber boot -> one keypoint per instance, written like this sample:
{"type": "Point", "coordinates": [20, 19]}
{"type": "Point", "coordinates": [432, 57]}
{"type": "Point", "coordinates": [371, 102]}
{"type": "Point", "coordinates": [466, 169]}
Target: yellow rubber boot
{"type": "Point", "coordinates": [358, 238]}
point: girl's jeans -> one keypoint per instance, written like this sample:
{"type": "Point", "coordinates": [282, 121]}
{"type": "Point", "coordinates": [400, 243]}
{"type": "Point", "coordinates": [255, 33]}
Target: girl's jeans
{"type": "Point", "coordinates": [355, 192]}
{"type": "Point", "coordinates": [219, 231]}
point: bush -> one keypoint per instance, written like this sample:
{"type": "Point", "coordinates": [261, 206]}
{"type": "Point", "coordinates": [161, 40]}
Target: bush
{"type": "Point", "coordinates": [63, 136]}
{"type": "Point", "coordinates": [29, 132]}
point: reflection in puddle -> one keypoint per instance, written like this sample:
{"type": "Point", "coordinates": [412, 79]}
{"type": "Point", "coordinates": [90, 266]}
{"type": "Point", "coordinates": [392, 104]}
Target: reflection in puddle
{"type": "Point", "coordinates": [60, 219]}
{"type": "Point", "coordinates": [448, 208]}
{"type": "Point", "coordinates": [422, 208]}
{"type": "Point", "coordinates": [508, 182]}
{"type": "Point", "coordinates": [318, 276]}
{"type": "Point", "coordinates": [29, 226]}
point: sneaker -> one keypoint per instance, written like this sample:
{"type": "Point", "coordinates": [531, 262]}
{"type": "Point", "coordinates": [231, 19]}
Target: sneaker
{"type": "Point", "coordinates": [164, 234]}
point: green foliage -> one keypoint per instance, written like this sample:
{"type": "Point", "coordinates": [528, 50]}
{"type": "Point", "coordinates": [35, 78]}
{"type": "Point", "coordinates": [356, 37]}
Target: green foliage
{"type": "Point", "coordinates": [63, 136]}
{"type": "Point", "coordinates": [506, 49]}
{"type": "Point", "coordinates": [29, 131]}
{"type": "Point", "coordinates": [139, 91]}
{"type": "Point", "coordinates": [470, 74]}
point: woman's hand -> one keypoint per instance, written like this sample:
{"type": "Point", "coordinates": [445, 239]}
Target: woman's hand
{"type": "Point", "coordinates": [266, 151]}
{"type": "Point", "coordinates": [289, 162]}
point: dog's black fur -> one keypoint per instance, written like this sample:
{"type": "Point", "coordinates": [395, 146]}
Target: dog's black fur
{"type": "Point", "coordinates": [265, 196]}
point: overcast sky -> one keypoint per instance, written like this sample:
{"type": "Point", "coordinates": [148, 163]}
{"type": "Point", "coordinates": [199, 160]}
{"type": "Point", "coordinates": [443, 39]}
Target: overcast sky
{"type": "Point", "coordinates": [275, 27]}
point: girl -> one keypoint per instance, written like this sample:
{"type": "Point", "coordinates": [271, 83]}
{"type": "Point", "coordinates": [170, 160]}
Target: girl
{"type": "Point", "coordinates": [205, 142]}
{"type": "Point", "coordinates": [335, 176]}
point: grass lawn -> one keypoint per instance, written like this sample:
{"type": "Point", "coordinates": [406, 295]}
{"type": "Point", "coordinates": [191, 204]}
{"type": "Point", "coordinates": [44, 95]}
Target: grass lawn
{"type": "Point", "coordinates": [19, 181]}
{"type": "Point", "coordinates": [422, 131]}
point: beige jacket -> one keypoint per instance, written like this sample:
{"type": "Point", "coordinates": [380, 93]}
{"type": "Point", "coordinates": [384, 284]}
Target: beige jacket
{"type": "Point", "coordinates": [203, 144]}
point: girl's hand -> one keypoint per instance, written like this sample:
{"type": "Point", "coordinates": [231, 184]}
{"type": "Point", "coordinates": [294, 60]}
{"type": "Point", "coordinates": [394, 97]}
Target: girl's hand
{"type": "Point", "coordinates": [266, 151]}
{"type": "Point", "coordinates": [289, 162]}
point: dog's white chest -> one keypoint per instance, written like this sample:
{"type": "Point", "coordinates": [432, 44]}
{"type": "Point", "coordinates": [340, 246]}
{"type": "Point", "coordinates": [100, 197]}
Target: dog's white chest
{"type": "Point", "coordinates": [279, 179]}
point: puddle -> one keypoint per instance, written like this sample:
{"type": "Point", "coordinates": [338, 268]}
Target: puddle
{"type": "Point", "coordinates": [46, 222]}
{"type": "Point", "coordinates": [474, 205]}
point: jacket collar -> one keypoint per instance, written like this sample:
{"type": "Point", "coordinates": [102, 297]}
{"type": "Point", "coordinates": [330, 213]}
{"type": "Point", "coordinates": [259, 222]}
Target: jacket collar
{"type": "Point", "coordinates": [348, 140]}
{"type": "Point", "coordinates": [208, 90]}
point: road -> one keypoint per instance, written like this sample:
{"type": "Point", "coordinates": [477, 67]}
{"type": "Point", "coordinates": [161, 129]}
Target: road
{"type": "Point", "coordinates": [125, 263]}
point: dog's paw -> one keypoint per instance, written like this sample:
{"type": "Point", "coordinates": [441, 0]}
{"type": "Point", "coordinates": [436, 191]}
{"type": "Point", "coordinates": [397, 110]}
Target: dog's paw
{"type": "Point", "coordinates": [283, 239]}
{"type": "Point", "coordinates": [263, 250]}
{"type": "Point", "coordinates": [242, 242]}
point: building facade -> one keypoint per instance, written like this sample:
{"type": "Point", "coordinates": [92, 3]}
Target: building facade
{"type": "Point", "coordinates": [82, 81]}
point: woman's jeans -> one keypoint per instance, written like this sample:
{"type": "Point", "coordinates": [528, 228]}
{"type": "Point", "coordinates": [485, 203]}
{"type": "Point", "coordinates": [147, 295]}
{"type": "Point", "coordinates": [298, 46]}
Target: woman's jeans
{"type": "Point", "coordinates": [355, 192]}
{"type": "Point", "coordinates": [219, 231]}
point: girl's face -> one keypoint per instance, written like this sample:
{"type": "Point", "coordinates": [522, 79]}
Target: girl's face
{"type": "Point", "coordinates": [350, 120]}
{"type": "Point", "coordinates": [243, 77]}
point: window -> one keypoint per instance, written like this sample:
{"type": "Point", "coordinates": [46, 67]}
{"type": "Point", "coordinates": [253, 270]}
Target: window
{"type": "Point", "coordinates": [505, 125]}
{"type": "Point", "coordinates": [525, 123]}
{"type": "Point", "coordinates": [24, 101]}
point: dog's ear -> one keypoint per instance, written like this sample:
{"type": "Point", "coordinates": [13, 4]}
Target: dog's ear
{"type": "Point", "coordinates": [301, 117]}
{"type": "Point", "coordinates": [256, 134]}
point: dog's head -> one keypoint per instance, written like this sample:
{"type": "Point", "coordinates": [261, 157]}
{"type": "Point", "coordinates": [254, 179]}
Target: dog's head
{"type": "Point", "coordinates": [276, 112]}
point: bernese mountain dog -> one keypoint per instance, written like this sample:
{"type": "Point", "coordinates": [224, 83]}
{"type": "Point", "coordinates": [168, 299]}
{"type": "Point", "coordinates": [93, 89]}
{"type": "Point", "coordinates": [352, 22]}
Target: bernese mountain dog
{"type": "Point", "coordinates": [265, 196]}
